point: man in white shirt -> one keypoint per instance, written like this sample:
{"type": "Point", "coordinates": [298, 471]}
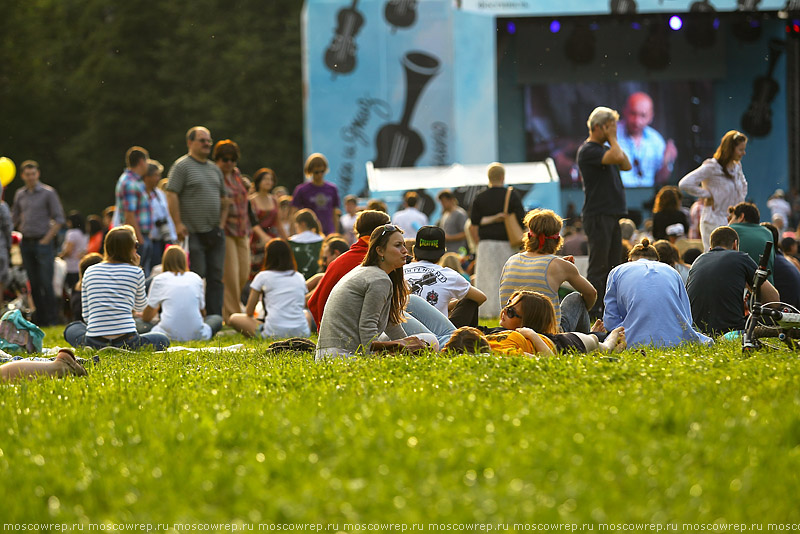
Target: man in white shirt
{"type": "Point", "coordinates": [348, 220]}
{"type": "Point", "coordinates": [442, 287]}
{"type": "Point", "coordinates": [410, 219]}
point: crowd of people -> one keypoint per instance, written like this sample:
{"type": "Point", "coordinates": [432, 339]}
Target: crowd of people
{"type": "Point", "coordinates": [177, 258]}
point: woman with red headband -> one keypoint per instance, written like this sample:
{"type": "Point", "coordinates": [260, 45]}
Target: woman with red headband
{"type": "Point", "coordinates": [537, 268]}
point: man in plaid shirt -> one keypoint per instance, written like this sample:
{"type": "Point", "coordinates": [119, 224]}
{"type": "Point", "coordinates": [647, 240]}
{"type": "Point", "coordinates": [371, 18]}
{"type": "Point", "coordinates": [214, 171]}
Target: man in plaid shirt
{"type": "Point", "coordinates": [132, 201]}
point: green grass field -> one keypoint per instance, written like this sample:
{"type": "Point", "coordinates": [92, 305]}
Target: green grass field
{"type": "Point", "coordinates": [689, 435]}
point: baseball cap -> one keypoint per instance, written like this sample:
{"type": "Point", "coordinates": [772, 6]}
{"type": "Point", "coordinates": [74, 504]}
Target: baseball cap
{"type": "Point", "coordinates": [675, 229]}
{"type": "Point", "coordinates": [429, 244]}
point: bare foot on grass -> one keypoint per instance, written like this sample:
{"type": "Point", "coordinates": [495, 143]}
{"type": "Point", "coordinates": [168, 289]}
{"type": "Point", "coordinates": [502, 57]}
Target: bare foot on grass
{"type": "Point", "coordinates": [598, 326]}
{"type": "Point", "coordinates": [615, 342]}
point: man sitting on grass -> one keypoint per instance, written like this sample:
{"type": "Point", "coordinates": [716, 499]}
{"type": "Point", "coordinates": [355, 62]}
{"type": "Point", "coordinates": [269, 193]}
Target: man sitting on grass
{"type": "Point", "coordinates": [441, 287]}
{"type": "Point", "coordinates": [717, 281]}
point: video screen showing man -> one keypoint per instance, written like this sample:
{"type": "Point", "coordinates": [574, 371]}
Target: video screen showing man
{"type": "Point", "coordinates": [652, 158]}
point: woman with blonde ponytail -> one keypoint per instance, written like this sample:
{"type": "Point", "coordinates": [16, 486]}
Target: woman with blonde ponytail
{"type": "Point", "coordinates": [649, 299]}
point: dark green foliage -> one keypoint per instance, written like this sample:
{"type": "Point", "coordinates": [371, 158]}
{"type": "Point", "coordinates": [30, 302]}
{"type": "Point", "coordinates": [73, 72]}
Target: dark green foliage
{"type": "Point", "coordinates": [80, 82]}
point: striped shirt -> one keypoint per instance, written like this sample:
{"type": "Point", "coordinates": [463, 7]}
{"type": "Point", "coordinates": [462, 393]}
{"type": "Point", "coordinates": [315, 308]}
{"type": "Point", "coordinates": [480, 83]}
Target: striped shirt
{"type": "Point", "coordinates": [110, 292]}
{"type": "Point", "coordinates": [525, 272]}
{"type": "Point", "coordinates": [199, 186]}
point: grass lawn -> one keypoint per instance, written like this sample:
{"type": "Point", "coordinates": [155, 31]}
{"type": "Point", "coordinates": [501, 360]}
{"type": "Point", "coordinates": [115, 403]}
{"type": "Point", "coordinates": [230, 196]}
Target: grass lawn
{"type": "Point", "coordinates": [674, 436]}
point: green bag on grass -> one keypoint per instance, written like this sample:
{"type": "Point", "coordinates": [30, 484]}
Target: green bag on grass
{"type": "Point", "coordinates": [17, 334]}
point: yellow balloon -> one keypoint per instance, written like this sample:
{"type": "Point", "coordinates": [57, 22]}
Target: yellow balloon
{"type": "Point", "coordinates": [7, 171]}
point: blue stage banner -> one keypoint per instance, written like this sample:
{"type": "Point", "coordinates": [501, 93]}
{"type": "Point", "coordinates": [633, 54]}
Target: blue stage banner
{"type": "Point", "coordinates": [378, 85]}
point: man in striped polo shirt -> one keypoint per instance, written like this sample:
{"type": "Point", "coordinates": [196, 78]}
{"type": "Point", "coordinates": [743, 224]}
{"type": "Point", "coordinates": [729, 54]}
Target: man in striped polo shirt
{"type": "Point", "coordinates": [198, 203]}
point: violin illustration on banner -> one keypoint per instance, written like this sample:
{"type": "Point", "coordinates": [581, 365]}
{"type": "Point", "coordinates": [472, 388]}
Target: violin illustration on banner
{"type": "Point", "coordinates": [397, 144]}
{"type": "Point", "coordinates": [340, 57]}
{"type": "Point", "coordinates": [757, 120]}
{"type": "Point", "coordinates": [400, 13]}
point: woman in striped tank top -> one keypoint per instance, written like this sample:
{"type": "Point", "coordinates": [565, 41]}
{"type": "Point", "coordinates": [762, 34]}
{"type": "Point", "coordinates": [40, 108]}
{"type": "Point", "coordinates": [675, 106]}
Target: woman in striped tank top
{"type": "Point", "coordinates": [537, 268]}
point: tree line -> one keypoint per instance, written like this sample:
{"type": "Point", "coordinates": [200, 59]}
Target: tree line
{"type": "Point", "coordinates": [83, 80]}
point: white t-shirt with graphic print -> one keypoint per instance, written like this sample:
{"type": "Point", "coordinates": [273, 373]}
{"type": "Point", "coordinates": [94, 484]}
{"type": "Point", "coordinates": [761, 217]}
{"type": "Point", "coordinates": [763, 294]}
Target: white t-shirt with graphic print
{"type": "Point", "coordinates": [447, 284]}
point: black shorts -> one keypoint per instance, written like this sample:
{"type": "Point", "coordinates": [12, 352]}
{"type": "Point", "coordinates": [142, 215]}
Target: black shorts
{"type": "Point", "coordinates": [567, 342]}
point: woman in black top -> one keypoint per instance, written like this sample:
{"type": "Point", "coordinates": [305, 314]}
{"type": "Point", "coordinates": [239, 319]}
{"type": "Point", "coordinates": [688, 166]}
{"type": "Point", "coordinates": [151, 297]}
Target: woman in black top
{"type": "Point", "coordinates": [667, 211]}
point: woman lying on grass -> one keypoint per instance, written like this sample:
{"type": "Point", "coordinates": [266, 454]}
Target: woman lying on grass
{"type": "Point", "coordinates": [368, 301]}
{"type": "Point", "coordinates": [110, 292]}
{"type": "Point", "coordinates": [529, 327]}
{"type": "Point", "coordinates": [180, 295]}
{"type": "Point", "coordinates": [283, 291]}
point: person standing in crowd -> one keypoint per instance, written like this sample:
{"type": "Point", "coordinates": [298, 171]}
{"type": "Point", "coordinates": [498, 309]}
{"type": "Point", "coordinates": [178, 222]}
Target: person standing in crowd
{"type": "Point", "coordinates": [95, 230]}
{"type": "Point", "coordinates": [198, 204]}
{"type": "Point", "coordinates": [318, 195]}
{"type": "Point", "coordinates": [600, 160]}
{"type": "Point", "coordinates": [653, 158]}
{"type": "Point", "coordinates": [163, 232]}
{"type": "Point", "coordinates": [489, 232]}
{"type": "Point", "coordinates": [667, 211]}
{"type": "Point", "coordinates": [780, 207]}
{"type": "Point", "coordinates": [348, 219]}
{"type": "Point", "coordinates": [6, 226]}
{"type": "Point", "coordinates": [719, 181]}
{"type": "Point", "coordinates": [37, 214]}
{"type": "Point", "coordinates": [716, 284]}
{"type": "Point", "coordinates": [267, 218]}
{"type": "Point", "coordinates": [236, 269]}
{"type": "Point", "coordinates": [452, 222]}
{"type": "Point", "coordinates": [410, 219]}
{"type": "Point", "coordinates": [132, 202]}
{"type": "Point", "coordinates": [75, 245]}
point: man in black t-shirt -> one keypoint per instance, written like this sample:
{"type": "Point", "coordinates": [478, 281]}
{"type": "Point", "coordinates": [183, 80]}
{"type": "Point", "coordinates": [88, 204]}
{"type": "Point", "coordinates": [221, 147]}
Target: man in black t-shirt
{"type": "Point", "coordinates": [604, 201]}
{"type": "Point", "coordinates": [489, 232]}
{"type": "Point", "coordinates": [716, 284]}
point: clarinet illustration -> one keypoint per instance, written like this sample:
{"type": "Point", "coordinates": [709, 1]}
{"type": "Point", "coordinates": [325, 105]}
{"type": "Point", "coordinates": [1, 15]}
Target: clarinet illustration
{"type": "Point", "coordinates": [340, 57]}
{"type": "Point", "coordinates": [400, 13]}
{"type": "Point", "coordinates": [397, 144]}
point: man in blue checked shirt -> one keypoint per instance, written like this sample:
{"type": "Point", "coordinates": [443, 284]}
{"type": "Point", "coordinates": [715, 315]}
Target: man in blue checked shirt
{"type": "Point", "coordinates": [133, 203]}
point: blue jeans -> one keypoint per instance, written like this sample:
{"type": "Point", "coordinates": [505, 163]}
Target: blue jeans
{"type": "Point", "coordinates": [75, 334]}
{"type": "Point", "coordinates": [215, 322]}
{"type": "Point", "coordinates": [574, 315]}
{"type": "Point", "coordinates": [207, 258]}
{"type": "Point", "coordinates": [38, 261]}
{"type": "Point", "coordinates": [423, 318]}
{"type": "Point", "coordinates": [146, 254]}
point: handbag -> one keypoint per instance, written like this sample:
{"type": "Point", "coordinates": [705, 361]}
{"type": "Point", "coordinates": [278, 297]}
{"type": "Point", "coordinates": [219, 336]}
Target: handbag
{"type": "Point", "coordinates": [513, 229]}
{"type": "Point", "coordinates": [18, 334]}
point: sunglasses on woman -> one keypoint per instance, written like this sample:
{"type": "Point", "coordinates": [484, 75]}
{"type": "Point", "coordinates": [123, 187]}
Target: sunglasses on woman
{"type": "Point", "coordinates": [388, 229]}
{"type": "Point", "coordinates": [511, 313]}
